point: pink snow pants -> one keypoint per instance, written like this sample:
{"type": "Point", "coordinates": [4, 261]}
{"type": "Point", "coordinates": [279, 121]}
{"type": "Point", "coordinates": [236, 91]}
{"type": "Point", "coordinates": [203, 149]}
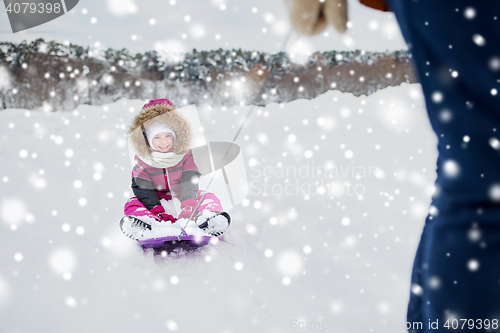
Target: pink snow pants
{"type": "Point", "coordinates": [134, 206]}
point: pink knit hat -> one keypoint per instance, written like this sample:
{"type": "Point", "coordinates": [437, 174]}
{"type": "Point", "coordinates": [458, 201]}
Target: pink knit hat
{"type": "Point", "coordinates": [157, 101]}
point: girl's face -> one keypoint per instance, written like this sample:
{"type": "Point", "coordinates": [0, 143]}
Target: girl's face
{"type": "Point", "coordinates": [163, 142]}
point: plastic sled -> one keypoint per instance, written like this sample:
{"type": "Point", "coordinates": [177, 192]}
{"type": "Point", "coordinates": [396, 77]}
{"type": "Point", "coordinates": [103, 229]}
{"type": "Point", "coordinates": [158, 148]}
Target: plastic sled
{"type": "Point", "coordinates": [160, 242]}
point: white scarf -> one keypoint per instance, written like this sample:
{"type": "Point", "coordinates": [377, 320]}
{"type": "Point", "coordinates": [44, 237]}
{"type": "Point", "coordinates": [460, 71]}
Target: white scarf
{"type": "Point", "coordinates": [163, 160]}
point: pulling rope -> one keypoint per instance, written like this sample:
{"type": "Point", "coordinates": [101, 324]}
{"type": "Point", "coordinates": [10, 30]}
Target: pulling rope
{"type": "Point", "coordinates": [263, 87]}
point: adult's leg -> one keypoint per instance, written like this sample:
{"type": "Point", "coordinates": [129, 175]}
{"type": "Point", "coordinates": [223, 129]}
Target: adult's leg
{"type": "Point", "coordinates": [456, 51]}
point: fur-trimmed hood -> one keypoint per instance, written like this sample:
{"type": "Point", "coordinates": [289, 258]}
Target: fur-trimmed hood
{"type": "Point", "coordinates": [156, 114]}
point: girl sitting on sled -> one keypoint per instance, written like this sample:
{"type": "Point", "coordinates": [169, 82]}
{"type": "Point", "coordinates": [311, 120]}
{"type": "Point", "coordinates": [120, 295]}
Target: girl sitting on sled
{"type": "Point", "coordinates": [164, 170]}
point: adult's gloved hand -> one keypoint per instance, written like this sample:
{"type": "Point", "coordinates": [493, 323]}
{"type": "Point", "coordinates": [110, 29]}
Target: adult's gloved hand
{"type": "Point", "coordinates": [311, 17]}
{"type": "Point", "coordinates": [188, 207]}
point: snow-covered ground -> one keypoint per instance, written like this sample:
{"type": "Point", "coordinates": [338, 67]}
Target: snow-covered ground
{"type": "Point", "coordinates": [339, 190]}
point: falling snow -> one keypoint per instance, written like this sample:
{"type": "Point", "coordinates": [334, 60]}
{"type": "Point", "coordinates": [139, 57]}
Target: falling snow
{"type": "Point", "coordinates": [67, 202]}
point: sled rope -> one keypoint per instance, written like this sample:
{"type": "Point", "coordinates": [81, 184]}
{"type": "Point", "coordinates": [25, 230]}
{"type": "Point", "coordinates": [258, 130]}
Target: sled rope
{"type": "Point", "coordinates": [264, 85]}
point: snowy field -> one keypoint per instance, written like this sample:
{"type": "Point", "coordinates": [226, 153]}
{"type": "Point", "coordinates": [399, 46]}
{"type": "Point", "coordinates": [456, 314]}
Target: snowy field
{"type": "Point", "coordinates": [339, 190]}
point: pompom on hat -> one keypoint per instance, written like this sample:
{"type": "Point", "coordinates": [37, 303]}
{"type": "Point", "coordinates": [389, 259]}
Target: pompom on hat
{"type": "Point", "coordinates": [150, 110]}
{"type": "Point", "coordinates": [158, 101]}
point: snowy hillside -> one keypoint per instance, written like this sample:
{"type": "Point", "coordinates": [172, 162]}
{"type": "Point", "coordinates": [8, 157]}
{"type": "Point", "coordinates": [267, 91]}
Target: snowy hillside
{"type": "Point", "coordinates": [339, 190]}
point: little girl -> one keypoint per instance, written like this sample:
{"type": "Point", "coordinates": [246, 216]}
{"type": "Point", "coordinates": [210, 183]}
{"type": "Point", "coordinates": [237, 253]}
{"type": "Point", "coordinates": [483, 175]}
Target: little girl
{"type": "Point", "coordinates": [165, 169]}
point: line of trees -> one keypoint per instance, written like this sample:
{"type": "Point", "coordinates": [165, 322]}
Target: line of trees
{"type": "Point", "coordinates": [52, 76]}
